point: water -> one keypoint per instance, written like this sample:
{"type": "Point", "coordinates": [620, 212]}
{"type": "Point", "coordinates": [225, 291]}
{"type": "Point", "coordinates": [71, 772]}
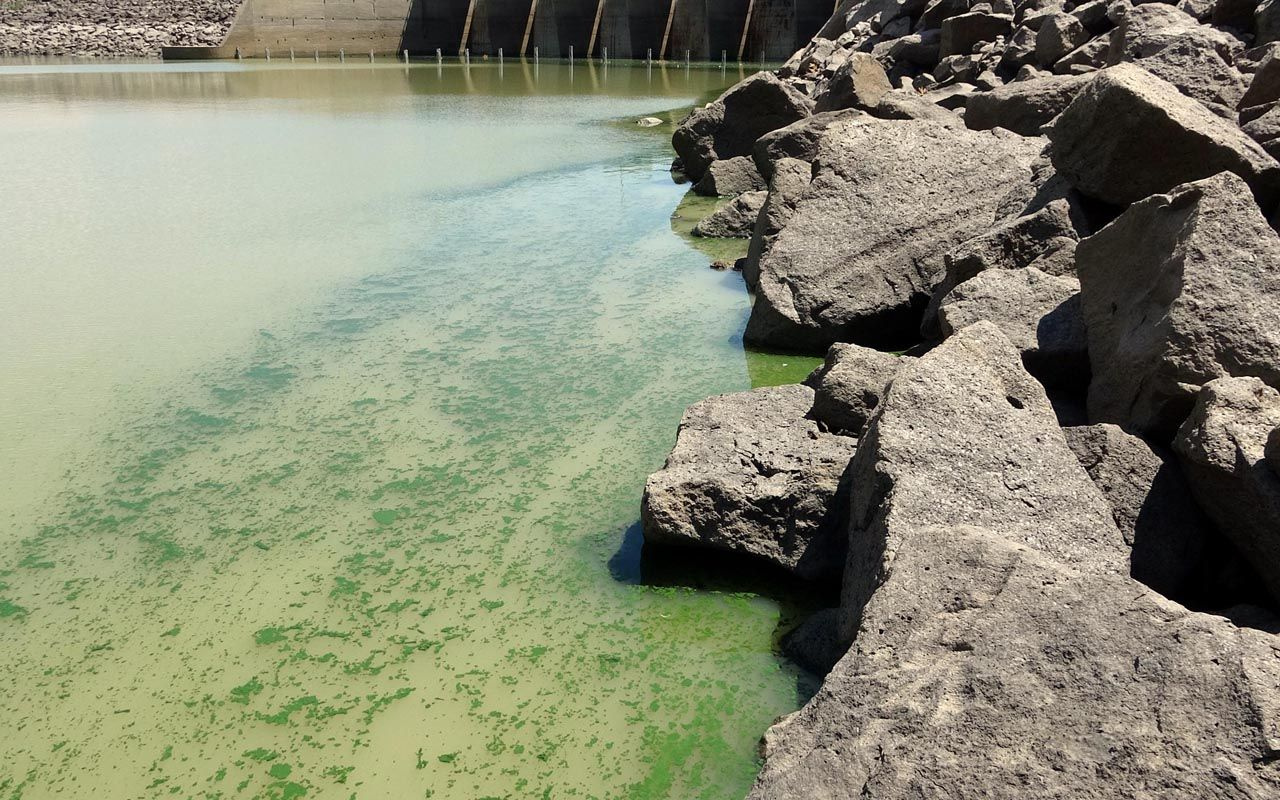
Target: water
{"type": "Point", "coordinates": [327, 397]}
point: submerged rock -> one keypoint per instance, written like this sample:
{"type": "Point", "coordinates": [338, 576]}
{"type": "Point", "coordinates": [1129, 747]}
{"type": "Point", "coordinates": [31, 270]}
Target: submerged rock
{"type": "Point", "coordinates": [986, 668]}
{"type": "Point", "coordinates": [736, 219]}
{"type": "Point", "coordinates": [751, 473]}
{"type": "Point", "coordinates": [863, 243]}
{"type": "Point", "coordinates": [1181, 289]}
{"type": "Point", "coordinates": [730, 177]}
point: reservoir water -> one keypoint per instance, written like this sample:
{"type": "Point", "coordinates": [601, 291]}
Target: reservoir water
{"type": "Point", "coordinates": [327, 394]}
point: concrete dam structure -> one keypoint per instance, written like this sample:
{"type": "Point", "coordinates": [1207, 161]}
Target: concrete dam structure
{"type": "Point", "coordinates": [739, 30]}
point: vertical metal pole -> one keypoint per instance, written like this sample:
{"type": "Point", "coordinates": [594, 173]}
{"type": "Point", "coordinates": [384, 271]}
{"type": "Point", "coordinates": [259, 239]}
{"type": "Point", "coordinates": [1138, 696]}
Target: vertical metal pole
{"type": "Point", "coordinates": [724, 60]}
{"type": "Point", "coordinates": [606, 56]}
{"type": "Point", "coordinates": [746, 27]}
{"type": "Point", "coordinates": [239, 55]}
{"type": "Point", "coordinates": [528, 31]}
{"type": "Point", "coordinates": [686, 59]}
{"type": "Point", "coordinates": [406, 56]}
{"type": "Point", "coordinates": [439, 57]}
{"type": "Point", "coordinates": [666, 33]}
{"type": "Point", "coordinates": [466, 56]}
{"type": "Point", "coordinates": [649, 58]}
{"type": "Point", "coordinates": [466, 26]}
{"type": "Point", "coordinates": [342, 56]}
{"type": "Point", "coordinates": [535, 56]}
{"type": "Point", "coordinates": [595, 29]}
{"type": "Point", "coordinates": [268, 53]}
{"type": "Point", "coordinates": [291, 54]}
{"type": "Point", "coordinates": [317, 56]}
{"type": "Point", "coordinates": [370, 56]}
{"type": "Point", "coordinates": [499, 56]}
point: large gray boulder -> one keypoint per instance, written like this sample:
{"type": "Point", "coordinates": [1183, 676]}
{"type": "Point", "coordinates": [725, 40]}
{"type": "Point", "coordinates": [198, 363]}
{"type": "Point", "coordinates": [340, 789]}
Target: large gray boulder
{"type": "Point", "coordinates": [752, 474]}
{"type": "Point", "coordinates": [1024, 106]}
{"type": "Point", "coordinates": [1222, 446]}
{"type": "Point", "coordinates": [730, 177]}
{"type": "Point", "coordinates": [1152, 505]}
{"type": "Point", "coordinates": [730, 126]}
{"type": "Point", "coordinates": [987, 669]}
{"type": "Point", "coordinates": [1039, 314]}
{"type": "Point", "coordinates": [1266, 21]}
{"type": "Point", "coordinates": [1128, 135]}
{"type": "Point", "coordinates": [961, 32]}
{"type": "Point", "coordinates": [1264, 87]}
{"type": "Point", "coordinates": [849, 384]}
{"type": "Point", "coordinates": [735, 219]}
{"type": "Point", "coordinates": [1265, 130]}
{"type": "Point", "coordinates": [1058, 35]}
{"type": "Point", "coordinates": [788, 184]}
{"type": "Point", "coordinates": [864, 243]}
{"type": "Point", "coordinates": [1045, 239]}
{"type": "Point", "coordinates": [1173, 46]}
{"type": "Point", "coordinates": [1180, 289]}
{"type": "Point", "coordinates": [965, 436]}
{"type": "Point", "coordinates": [799, 140]}
{"type": "Point", "coordinates": [859, 82]}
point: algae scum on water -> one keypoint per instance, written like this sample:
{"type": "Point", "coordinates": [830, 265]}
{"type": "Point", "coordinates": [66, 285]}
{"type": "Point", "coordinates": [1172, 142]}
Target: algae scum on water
{"type": "Point", "coordinates": [368, 553]}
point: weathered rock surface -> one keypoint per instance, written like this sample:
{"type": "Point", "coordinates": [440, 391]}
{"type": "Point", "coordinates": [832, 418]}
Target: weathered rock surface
{"type": "Point", "coordinates": [1128, 135]}
{"type": "Point", "coordinates": [1264, 87]}
{"type": "Point", "coordinates": [1058, 35]}
{"type": "Point", "coordinates": [751, 473]}
{"type": "Point", "coordinates": [849, 384]}
{"type": "Point", "coordinates": [1173, 46]}
{"type": "Point", "coordinates": [1222, 446]}
{"type": "Point", "coordinates": [965, 436]}
{"type": "Point", "coordinates": [735, 220]}
{"type": "Point", "coordinates": [1039, 314]}
{"type": "Point", "coordinates": [111, 28]}
{"type": "Point", "coordinates": [729, 177]}
{"type": "Point", "coordinates": [729, 126]}
{"type": "Point", "coordinates": [1152, 505]}
{"type": "Point", "coordinates": [815, 644]}
{"type": "Point", "coordinates": [1023, 107]}
{"type": "Point", "coordinates": [788, 183]}
{"type": "Point", "coordinates": [1265, 130]}
{"type": "Point", "coordinates": [961, 32]}
{"type": "Point", "coordinates": [1045, 239]}
{"type": "Point", "coordinates": [1181, 289]}
{"type": "Point", "coordinates": [859, 82]}
{"type": "Point", "coordinates": [863, 246]}
{"type": "Point", "coordinates": [987, 669]}
{"type": "Point", "coordinates": [798, 140]}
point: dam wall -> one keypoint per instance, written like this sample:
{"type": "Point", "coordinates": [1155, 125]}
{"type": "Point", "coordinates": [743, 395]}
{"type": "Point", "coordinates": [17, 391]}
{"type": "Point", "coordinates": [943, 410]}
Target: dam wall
{"type": "Point", "coordinates": [740, 30]}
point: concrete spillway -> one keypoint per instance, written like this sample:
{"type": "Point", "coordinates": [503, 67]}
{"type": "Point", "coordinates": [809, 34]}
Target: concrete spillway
{"type": "Point", "coordinates": [754, 30]}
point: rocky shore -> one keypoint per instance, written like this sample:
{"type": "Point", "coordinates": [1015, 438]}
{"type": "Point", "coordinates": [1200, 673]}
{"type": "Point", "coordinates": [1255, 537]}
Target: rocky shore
{"type": "Point", "coordinates": [1037, 244]}
{"type": "Point", "coordinates": [111, 28]}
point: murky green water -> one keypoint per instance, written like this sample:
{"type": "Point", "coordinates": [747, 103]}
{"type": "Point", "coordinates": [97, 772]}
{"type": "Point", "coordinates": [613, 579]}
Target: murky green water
{"type": "Point", "coordinates": [326, 398]}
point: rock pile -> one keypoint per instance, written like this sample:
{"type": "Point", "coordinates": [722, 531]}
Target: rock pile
{"type": "Point", "coordinates": [1060, 515]}
{"type": "Point", "coordinates": [111, 28]}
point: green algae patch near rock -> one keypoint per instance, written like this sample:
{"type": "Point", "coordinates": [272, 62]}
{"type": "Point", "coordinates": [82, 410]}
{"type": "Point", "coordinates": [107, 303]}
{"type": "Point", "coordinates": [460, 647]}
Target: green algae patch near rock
{"type": "Point", "coordinates": [778, 369]}
{"type": "Point", "coordinates": [692, 209]}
